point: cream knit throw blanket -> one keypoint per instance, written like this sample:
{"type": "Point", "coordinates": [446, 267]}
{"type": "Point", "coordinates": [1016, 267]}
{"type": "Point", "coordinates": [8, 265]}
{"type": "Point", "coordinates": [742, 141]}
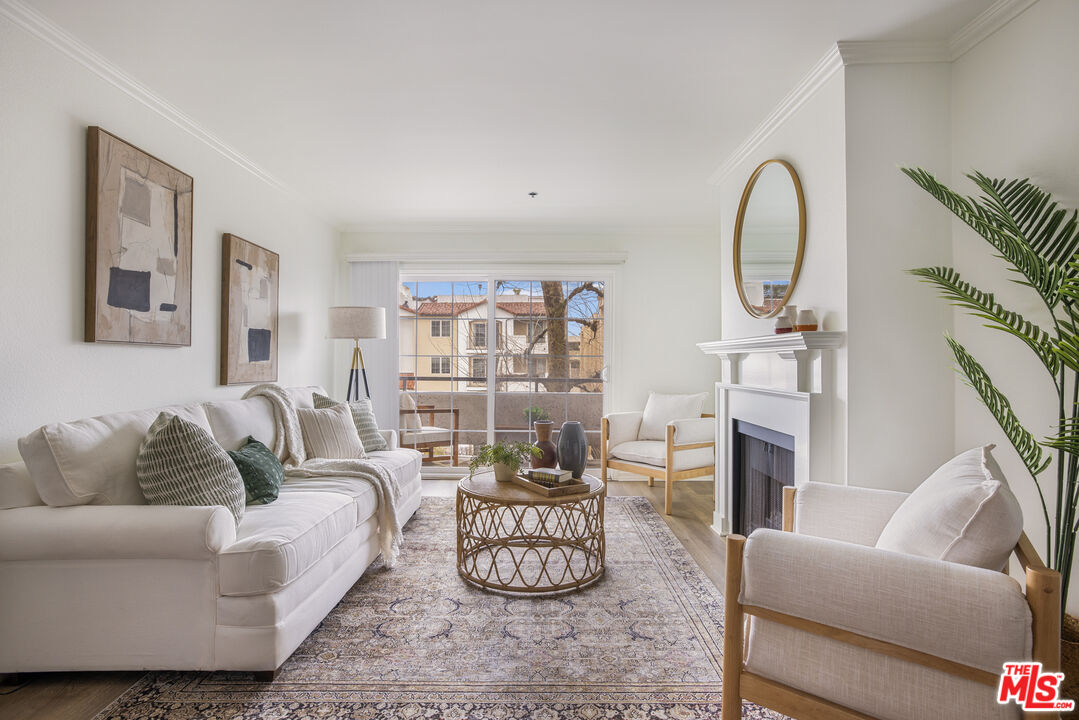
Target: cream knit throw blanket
{"type": "Point", "coordinates": [289, 446]}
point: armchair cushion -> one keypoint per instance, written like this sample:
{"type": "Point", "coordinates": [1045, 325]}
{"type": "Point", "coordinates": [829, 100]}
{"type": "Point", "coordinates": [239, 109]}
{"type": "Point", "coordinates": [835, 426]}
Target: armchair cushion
{"type": "Point", "coordinates": [623, 427]}
{"type": "Point", "coordinates": [654, 452]}
{"type": "Point", "coordinates": [662, 409]}
{"type": "Point", "coordinates": [693, 430]}
{"type": "Point", "coordinates": [963, 513]}
{"type": "Point", "coordinates": [844, 512]}
{"type": "Point", "coordinates": [970, 615]}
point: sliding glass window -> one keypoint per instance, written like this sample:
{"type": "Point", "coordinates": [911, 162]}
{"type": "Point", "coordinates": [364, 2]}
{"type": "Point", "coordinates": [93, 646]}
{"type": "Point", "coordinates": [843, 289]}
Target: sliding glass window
{"type": "Point", "coordinates": [458, 390]}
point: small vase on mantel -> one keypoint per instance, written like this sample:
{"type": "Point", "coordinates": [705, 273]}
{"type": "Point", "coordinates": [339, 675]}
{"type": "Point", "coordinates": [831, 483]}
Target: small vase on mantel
{"type": "Point", "coordinates": [572, 448]}
{"type": "Point", "coordinates": [549, 458]}
{"type": "Point", "coordinates": [806, 321]}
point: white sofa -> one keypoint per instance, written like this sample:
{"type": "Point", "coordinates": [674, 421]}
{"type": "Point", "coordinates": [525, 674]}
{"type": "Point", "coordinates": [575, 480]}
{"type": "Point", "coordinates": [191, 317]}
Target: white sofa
{"type": "Point", "coordinates": [92, 578]}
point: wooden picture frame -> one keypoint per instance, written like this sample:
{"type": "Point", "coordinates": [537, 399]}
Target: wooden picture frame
{"type": "Point", "coordinates": [139, 213]}
{"type": "Point", "coordinates": [250, 284]}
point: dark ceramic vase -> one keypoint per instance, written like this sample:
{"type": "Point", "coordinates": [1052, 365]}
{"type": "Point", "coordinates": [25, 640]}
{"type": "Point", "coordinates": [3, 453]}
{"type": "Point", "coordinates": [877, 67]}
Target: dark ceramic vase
{"type": "Point", "coordinates": [549, 458]}
{"type": "Point", "coordinates": [572, 448]}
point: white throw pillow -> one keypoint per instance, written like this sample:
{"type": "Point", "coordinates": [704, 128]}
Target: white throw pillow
{"type": "Point", "coordinates": [330, 433]}
{"type": "Point", "coordinates": [661, 409]}
{"type": "Point", "coordinates": [963, 513]}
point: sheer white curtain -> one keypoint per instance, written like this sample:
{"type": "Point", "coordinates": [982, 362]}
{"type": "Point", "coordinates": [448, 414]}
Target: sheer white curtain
{"type": "Point", "coordinates": [378, 283]}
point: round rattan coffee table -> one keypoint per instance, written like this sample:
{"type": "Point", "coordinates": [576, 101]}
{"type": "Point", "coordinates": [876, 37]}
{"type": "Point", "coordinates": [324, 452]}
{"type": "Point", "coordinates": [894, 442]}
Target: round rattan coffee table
{"type": "Point", "coordinates": [514, 540]}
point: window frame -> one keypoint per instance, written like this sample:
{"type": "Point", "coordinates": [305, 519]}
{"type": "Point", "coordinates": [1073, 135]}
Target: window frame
{"type": "Point", "coordinates": [609, 272]}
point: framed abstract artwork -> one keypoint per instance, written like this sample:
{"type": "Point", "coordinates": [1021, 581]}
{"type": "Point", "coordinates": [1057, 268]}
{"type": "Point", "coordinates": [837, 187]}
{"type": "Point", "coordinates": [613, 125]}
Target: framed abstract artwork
{"type": "Point", "coordinates": [138, 245]}
{"type": "Point", "coordinates": [249, 289]}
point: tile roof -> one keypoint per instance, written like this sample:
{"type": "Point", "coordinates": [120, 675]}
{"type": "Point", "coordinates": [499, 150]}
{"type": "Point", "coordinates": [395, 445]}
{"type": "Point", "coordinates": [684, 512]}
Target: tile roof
{"type": "Point", "coordinates": [445, 309]}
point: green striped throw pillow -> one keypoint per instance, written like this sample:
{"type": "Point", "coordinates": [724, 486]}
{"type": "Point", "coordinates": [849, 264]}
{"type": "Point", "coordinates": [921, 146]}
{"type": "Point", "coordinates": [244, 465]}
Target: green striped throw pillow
{"type": "Point", "coordinates": [363, 416]}
{"type": "Point", "coordinates": [179, 463]}
{"type": "Point", "coordinates": [261, 470]}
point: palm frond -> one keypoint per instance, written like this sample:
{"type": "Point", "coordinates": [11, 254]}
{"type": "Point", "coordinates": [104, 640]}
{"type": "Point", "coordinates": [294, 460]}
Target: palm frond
{"type": "Point", "coordinates": [1067, 438]}
{"type": "Point", "coordinates": [984, 305]}
{"type": "Point", "coordinates": [1067, 349]}
{"type": "Point", "coordinates": [1029, 450]}
{"type": "Point", "coordinates": [1032, 215]}
{"type": "Point", "coordinates": [1043, 276]}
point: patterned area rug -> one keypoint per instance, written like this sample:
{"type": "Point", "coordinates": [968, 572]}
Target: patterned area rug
{"type": "Point", "coordinates": [643, 642]}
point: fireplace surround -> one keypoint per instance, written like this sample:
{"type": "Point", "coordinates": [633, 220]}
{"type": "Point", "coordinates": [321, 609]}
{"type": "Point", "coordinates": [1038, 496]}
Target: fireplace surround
{"type": "Point", "coordinates": [788, 388]}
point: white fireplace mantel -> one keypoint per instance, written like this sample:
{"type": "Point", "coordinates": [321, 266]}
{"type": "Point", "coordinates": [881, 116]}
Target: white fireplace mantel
{"type": "Point", "coordinates": [801, 409]}
{"type": "Point", "coordinates": [803, 348]}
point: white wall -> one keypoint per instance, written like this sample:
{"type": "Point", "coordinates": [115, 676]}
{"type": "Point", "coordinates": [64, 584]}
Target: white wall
{"type": "Point", "coordinates": [667, 300]}
{"type": "Point", "coordinates": [46, 372]}
{"type": "Point", "coordinates": [901, 384]}
{"type": "Point", "coordinates": [813, 141]}
{"type": "Point", "coordinates": [1015, 104]}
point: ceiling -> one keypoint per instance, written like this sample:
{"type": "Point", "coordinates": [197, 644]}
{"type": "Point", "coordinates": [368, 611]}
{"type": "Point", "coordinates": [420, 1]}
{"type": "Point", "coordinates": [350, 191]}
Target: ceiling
{"type": "Point", "coordinates": [452, 111]}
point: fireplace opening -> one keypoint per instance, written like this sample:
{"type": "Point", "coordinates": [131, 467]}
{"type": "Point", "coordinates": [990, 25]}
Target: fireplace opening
{"type": "Point", "coordinates": [762, 464]}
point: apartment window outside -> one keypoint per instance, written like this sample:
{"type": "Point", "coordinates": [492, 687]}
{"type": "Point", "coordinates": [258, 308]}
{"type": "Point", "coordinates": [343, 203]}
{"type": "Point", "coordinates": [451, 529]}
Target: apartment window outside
{"type": "Point", "coordinates": [478, 334]}
{"type": "Point", "coordinates": [549, 359]}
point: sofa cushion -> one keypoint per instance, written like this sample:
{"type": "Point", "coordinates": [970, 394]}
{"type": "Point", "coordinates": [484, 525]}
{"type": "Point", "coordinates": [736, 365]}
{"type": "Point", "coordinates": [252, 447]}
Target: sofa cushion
{"type": "Point", "coordinates": [277, 543]}
{"type": "Point", "coordinates": [302, 395]}
{"type": "Point", "coordinates": [92, 461]}
{"type": "Point", "coordinates": [364, 418]}
{"type": "Point", "coordinates": [16, 488]}
{"type": "Point", "coordinates": [330, 433]}
{"type": "Point", "coordinates": [363, 494]}
{"type": "Point", "coordinates": [964, 513]}
{"type": "Point", "coordinates": [654, 452]}
{"type": "Point", "coordinates": [403, 464]}
{"type": "Point", "coordinates": [661, 409]}
{"type": "Point", "coordinates": [233, 421]}
{"type": "Point", "coordinates": [261, 471]}
{"type": "Point", "coordinates": [180, 463]}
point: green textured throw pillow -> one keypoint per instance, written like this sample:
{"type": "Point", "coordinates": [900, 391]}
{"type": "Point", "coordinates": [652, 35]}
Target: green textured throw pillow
{"type": "Point", "coordinates": [180, 463]}
{"type": "Point", "coordinates": [363, 416]}
{"type": "Point", "coordinates": [261, 470]}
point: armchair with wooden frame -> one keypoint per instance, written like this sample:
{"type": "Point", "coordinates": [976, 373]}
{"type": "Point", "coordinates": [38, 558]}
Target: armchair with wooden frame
{"type": "Point", "coordinates": [427, 437]}
{"type": "Point", "coordinates": [687, 452]}
{"type": "Point", "coordinates": [821, 624]}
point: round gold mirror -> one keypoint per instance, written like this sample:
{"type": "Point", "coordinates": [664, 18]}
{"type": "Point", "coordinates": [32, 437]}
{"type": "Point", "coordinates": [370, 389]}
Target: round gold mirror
{"type": "Point", "coordinates": [769, 238]}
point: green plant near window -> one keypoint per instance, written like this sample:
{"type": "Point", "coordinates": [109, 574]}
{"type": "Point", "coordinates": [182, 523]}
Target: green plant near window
{"type": "Point", "coordinates": [535, 414]}
{"type": "Point", "coordinates": [1039, 241]}
{"type": "Point", "coordinates": [513, 455]}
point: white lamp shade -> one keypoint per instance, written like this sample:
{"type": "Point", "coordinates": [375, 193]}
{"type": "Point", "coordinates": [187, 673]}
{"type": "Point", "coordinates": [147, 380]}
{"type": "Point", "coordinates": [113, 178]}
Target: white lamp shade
{"type": "Point", "coordinates": [358, 322]}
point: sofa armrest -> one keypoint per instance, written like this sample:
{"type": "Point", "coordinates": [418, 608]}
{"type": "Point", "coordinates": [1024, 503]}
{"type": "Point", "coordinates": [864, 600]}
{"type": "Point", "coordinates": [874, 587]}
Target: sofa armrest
{"type": "Point", "coordinates": [115, 532]}
{"type": "Point", "coordinates": [694, 430]}
{"type": "Point", "coordinates": [624, 427]}
{"type": "Point", "coordinates": [391, 438]}
{"type": "Point", "coordinates": [969, 615]}
{"type": "Point", "coordinates": [843, 512]}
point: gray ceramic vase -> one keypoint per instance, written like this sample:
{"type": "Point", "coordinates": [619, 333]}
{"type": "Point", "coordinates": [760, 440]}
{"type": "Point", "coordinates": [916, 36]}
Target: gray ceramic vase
{"type": "Point", "coordinates": [572, 448]}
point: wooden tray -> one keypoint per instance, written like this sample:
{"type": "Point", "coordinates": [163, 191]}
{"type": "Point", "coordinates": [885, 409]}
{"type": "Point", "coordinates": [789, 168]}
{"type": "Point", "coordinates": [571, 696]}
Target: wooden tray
{"type": "Point", "coordinates": [569, 489]}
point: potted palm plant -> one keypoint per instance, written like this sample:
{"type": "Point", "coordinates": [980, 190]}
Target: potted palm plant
{"type": "Point", "coordinates": [1039, 241]}
{"type": "Point", "coordinates": [504, 457]}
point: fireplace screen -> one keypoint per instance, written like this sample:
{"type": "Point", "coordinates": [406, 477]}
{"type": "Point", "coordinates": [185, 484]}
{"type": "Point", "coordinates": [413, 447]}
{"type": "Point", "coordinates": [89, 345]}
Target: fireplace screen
{"type": "Point", "coordinates": [763, 463]}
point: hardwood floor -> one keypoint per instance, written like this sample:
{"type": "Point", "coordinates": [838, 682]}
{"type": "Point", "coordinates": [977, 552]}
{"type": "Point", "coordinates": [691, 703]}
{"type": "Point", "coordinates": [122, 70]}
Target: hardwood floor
{"type": "Point", "coordinates": [80, 696]}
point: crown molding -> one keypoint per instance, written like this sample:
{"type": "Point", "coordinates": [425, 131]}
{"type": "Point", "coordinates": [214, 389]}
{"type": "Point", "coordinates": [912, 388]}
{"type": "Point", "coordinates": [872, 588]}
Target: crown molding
{"type": "Point", "coordinates": [36, 24]}
{"type": "Point", "coordinates": [486, 257]}
{"type": "Point", "coordinates": [525, 229]}
{"type": "Point", "coordinates": [806, 88]}
{"type": "Point", "coordinates": [994, 18]}
{"type": "Point", "coordinates": [857, 52]}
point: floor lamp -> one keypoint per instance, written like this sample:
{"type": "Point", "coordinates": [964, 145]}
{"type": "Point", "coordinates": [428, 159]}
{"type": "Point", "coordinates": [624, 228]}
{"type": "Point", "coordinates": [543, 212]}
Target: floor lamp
{"type": "Point", "coordinates": [356, 323]}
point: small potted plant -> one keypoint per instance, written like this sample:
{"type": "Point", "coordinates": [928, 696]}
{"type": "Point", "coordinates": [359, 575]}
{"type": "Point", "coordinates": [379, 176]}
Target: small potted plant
{"type": "Point", "coordinates": [505, 457]}
{"type": "Point", "coordinates": [535, 414]}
